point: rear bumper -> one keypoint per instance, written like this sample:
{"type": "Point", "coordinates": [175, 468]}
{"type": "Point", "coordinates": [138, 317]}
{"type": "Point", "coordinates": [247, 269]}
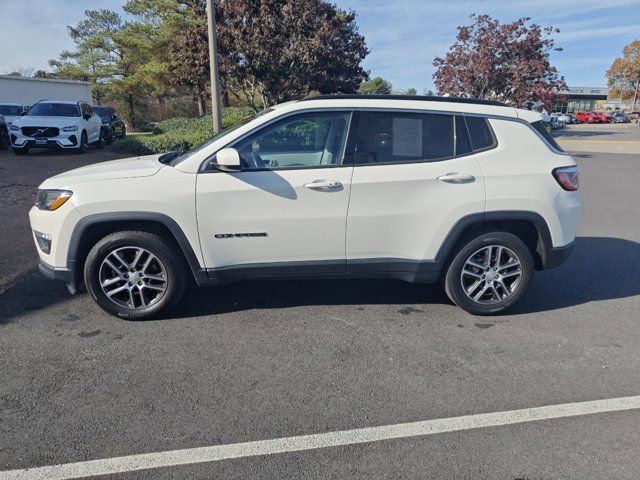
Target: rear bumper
{"type": "Point", "coordinates": [555, 257]}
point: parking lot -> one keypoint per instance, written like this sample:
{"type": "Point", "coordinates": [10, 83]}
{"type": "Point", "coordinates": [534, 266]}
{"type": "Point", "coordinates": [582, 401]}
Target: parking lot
{"type": "Point", "coordinates": [264, 361]}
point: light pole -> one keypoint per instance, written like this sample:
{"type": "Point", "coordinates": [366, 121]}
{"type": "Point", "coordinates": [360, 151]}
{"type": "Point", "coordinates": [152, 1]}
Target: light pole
{"type": "Point", "coordinates": [216, 113]}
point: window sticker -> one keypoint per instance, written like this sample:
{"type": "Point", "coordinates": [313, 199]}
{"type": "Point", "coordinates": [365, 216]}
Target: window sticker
{"type": "Point", "coordinates": [407, 137]}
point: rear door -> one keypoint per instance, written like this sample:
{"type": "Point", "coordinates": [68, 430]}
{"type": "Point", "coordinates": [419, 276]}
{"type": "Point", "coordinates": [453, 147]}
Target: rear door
{"type": "Point", "coordinates": [415, 176]}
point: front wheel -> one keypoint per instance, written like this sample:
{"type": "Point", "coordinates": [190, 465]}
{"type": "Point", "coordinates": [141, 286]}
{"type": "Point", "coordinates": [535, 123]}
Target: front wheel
{"type": "Point", "coordinates": [490, 274]}
{"type": "Point", "coordinates": [135, 275]}
{"type": "Point", "coordinates": [83, 147]}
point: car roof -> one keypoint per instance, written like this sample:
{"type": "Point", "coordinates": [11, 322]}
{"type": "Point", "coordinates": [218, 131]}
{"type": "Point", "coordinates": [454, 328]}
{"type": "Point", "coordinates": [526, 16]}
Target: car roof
{"type": "Point", "coordinates": [63, 102]}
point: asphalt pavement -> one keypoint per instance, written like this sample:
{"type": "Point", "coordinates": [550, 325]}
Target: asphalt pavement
{"type": "Point", "coordinates": [271, 360]}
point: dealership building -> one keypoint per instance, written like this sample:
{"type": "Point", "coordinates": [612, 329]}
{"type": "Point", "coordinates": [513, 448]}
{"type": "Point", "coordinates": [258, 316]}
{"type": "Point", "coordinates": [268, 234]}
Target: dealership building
{"type": "Point", "coordinates": [581, 99]}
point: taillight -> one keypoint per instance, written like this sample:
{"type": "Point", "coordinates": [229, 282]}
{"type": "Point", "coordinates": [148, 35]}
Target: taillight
{"type": "Point", "coordinates": [567, 177]}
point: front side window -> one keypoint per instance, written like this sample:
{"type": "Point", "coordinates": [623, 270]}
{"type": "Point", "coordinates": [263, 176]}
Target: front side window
{"type": "Point", "coordinates": [54, 110]}
{"type": "Point", "coordinates": [10, 110]}
{"type": "Point", "coordinates": [397, 137]}
{"type": "Point", "coordinates": [302, 141]}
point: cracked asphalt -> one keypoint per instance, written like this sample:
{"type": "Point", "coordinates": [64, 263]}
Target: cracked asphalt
{"type": "Point", "coordinates": [262, 360]}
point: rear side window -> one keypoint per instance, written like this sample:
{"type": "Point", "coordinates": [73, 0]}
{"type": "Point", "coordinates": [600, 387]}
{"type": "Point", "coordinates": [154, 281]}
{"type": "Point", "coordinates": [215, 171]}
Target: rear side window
{"type": "Point", "coordinates": [396, 137]}
{"type": "Point", "coordinates": [541, 128]}
{"type": "Point", "coordinates": [480, 133]}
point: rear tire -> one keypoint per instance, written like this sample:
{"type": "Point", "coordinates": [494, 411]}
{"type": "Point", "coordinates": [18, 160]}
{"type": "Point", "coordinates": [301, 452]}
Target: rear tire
{"type": "Point", "coordinates": [142, 285]}
{"type": "Point", "coordinates": [100, 143]}
{"type": "Point", "coordinates": [484, 278]}
{"type": "Point", "coordinates": [4, 139]}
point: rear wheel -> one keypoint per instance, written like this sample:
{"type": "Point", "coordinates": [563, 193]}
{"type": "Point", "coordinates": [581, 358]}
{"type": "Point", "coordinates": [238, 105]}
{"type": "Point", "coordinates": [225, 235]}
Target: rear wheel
{"type": "Point", "coordinates": [490, 274]}
{"type": "Point", "coordinates": [135, 275]}
{"type": "Point", "coordinates": [4, 138]}
{"type": "Point", "coordinates": [100, 142]}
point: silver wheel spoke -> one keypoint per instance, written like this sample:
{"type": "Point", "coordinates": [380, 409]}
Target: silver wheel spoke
{"type": "Point", "coordinates": [116, 290]}
{"type": "Point", "coordinates": [124, 279]}
{"type": "Point", "coordinates": [474, 286]}
{"type": "Point", "coordinates": [111, 281]}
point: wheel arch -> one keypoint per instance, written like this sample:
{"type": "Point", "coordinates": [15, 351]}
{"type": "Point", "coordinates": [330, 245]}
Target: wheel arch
{"type": "Point", "coordinates": [530, 227]}
{"type": "Point", "coordinates": [92, 228]}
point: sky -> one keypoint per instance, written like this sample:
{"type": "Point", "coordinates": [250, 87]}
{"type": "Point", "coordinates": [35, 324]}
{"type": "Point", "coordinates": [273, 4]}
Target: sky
{"type": "Point", "coordinates": [404, 36]}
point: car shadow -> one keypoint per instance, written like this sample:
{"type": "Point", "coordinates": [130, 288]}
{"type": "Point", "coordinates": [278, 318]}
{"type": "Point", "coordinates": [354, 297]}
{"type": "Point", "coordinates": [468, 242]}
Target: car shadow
{"type": "Point", "coordinates": [586, 133]}
{"type": "Point", "coordinates": [600, 268]}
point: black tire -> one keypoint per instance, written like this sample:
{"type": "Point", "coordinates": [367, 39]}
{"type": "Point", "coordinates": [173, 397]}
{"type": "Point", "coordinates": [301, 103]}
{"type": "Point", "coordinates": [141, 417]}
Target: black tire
{"type": "Point", "coordinates": [109, 139]}
{"type": "Point", "coordinates": [83, 146]}
{"type": "Point", "coordinates": [4, 139]}
{"type": "Point", "coordinates": [100, 142]}
{"type": "Point", "coordinates": [170, 259]}
{"type": "Point", "coordinates": [124, 133]}
{"type": "Point", "coordinates": [21, 151]}
{"type": "Point", "coordinates": [454, 281]}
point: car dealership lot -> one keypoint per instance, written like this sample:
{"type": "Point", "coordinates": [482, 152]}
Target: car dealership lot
{"type": "Point", "coordinates": [262, 361]}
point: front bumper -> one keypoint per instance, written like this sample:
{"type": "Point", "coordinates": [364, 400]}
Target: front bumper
{"type": "Point", "coordinates": [62, 274]}
{"type": "Point", "coordinates": [64, 140]}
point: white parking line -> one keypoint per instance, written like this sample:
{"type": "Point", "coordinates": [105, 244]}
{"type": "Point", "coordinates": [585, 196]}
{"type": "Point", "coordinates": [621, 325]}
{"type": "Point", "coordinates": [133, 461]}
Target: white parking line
{"type": "Point", "coordinates": [189, 456]}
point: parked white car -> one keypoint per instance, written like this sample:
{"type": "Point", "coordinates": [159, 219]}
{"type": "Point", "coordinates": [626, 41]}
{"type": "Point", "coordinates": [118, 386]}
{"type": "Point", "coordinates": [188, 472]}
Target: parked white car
{"type": "Point", "coordinates": [57, 124]}
{"type": "Point", "coordinates": [472, 192]}
{"type": "Point", "coordinates": [11, 111]}
{"type": "Point", "coordinates": [562, 118]}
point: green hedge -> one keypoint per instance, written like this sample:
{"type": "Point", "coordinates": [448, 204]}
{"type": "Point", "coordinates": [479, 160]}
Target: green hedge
{"type": "Point", "coordinates": [179, 133]}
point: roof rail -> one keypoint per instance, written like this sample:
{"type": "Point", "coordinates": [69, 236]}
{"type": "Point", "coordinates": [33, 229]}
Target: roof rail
{"type": "Point", "coordinates": [477, 101]}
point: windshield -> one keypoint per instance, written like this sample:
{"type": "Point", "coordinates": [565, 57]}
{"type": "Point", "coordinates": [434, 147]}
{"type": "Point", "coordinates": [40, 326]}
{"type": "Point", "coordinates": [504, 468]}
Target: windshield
{"type": "Point", "coordinates": [103, 112]}
{"type": "Point", "coordinates": [10, 110]}
{"type": "Point", "coordinates": [217, 137]}
{"type": "Point", "coordinates": [54, 110]}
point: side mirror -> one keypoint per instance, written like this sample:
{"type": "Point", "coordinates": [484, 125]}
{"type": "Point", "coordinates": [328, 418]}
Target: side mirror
{"type": "Point", "coordinates": [228, 160]}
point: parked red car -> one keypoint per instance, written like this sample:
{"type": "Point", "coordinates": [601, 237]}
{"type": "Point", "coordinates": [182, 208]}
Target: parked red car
{"type": "Point", "coordinates": [604, 117]}
{"type": "Point", "coordinates": [587, 117]}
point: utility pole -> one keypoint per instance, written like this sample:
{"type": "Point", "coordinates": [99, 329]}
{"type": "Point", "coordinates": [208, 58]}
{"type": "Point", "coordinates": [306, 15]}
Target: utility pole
{"type": "Point", "coordinates": [216, 113]}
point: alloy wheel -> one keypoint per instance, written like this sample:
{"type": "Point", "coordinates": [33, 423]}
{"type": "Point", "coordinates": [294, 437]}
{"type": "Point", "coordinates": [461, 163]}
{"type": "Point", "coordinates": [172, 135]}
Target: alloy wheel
{"type": "Point", "coordinates": [491, 275]}
{"type": "Point", "coordinates": [133, 277]}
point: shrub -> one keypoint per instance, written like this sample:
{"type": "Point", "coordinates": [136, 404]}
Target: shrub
{"type": "Point", "coordinates": [179, 133]}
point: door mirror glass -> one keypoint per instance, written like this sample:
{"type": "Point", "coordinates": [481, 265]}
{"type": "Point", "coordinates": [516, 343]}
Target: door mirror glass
{"type": "Point", "coordinates": [228, 159]}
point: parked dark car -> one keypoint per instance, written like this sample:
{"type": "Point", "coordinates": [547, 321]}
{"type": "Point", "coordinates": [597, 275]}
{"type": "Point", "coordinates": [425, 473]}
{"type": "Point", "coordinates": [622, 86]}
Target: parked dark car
{"type": "Point", "coordinates": [619, 117]}
{"type": "Point", "coordinates": [112, 123]}
{"type": "Point", "coordinates": [4, 133]}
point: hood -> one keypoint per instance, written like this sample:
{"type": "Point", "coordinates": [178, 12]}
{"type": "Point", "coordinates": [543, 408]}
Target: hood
{"type": "Point", "coordinates": [35, 121]}
{"type": "Point", "coordinates": [125, 168]}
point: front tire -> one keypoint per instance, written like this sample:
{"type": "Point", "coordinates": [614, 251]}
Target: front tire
{"type": "Point", "coordinates": [83, 147]}
{"type": "Point", "coordinates": [135, 275]}
{"type": "Point", "coordinates": [21, 151]}
{"type": "Point", "coordinates": [490, 274]}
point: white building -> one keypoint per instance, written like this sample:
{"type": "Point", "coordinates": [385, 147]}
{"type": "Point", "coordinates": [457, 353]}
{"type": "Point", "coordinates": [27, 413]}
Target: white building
{"type": "Point", "coordinates": [27, 91]}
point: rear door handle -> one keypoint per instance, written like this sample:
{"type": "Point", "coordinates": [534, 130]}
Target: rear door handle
{"type": "Point", "coordinates": [324, 185]}
{"type": "Point", "coordinates": [457, 178]}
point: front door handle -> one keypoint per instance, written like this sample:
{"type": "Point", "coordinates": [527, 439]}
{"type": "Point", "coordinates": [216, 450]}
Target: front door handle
{"type": "Point", "coordinates": [457, 178]}
{"type": "Point", "coordinates": [324, 185]}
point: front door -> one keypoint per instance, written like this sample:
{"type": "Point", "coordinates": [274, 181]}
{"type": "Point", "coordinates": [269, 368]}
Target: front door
{"type": "Point", "coordinates": [285, 211]}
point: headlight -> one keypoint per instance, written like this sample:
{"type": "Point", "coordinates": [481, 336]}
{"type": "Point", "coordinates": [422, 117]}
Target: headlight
{"type": "Point", "coordinates": [14, 127]}
{"type": "Point", "coordinates": [52, 199]}
{"type": "Point", "coordinates": [72, 128]}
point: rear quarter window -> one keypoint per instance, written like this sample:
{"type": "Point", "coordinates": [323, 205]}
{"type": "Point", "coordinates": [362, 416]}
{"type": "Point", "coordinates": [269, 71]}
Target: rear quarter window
{"type": "Point", "coordinates": [541, 128]}
{"type": "Point", "coordinates": [480, 133]}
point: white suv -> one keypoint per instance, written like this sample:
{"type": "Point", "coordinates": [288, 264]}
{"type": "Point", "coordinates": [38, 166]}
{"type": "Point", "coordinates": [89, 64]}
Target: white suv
{"type": "Point", "coordinates": [472, 192]}
{"type": "Point", "coordinates": [57, 124]}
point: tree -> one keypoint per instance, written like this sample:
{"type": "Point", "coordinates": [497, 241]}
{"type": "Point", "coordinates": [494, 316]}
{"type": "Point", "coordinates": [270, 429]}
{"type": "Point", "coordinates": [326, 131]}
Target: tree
{"type": "Point", "coordinates": [189, 65]}
{"type": "Point", "coordinates": [411, 91]}
{"type": "Point", "coordinates": [507, 62]}
{"type": "Point", "coordinates": [375, 86]}
{"type": "Point", "coordinates": [428, 93]}
{"type": "Point", "coordinates": [20, 71]}
{"type": "Point", "coordinates": [277, 50]}
{"type": "Point", "coordinates": [115, 56]}
{"type": "Point", "coordinates": [624, 74]}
